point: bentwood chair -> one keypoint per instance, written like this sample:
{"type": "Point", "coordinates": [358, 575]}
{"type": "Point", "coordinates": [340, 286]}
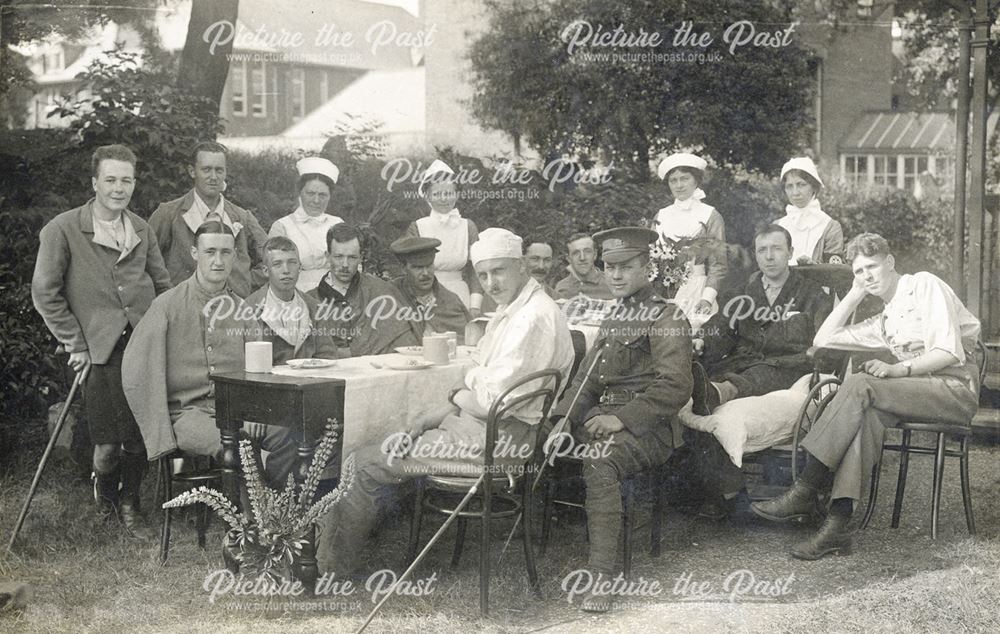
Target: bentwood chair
{"type": "Point", "coordinates": [962, 432]}
{"type": "Point", "coordinates": [201, 474]}
{"type": "Point", "coordinates": [497, 498]}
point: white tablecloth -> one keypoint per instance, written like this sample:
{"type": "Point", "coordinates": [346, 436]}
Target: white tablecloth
{"type": "Point", "coordinates": [378, 401]}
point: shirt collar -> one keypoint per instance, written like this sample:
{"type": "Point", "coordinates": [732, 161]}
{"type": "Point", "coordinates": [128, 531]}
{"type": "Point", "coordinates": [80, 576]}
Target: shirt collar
{"type": "Point", "coordinates": [450, 218]}
{"type": "Point", "coordinates": [302, 217]}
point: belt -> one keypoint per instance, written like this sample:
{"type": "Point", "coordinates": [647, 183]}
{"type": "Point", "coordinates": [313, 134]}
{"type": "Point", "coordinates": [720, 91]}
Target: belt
{"type": "Point", "coordinates": [617, 396]}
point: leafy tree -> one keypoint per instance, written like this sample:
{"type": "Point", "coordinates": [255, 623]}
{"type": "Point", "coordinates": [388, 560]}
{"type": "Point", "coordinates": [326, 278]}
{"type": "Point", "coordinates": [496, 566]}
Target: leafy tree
{"type": "Point", "coordinates": [748, 108]}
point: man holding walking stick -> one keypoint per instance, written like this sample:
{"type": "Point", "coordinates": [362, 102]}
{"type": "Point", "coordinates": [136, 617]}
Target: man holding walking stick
{"type": "Point", "coordinates": [98, 270]}
{"type": "Point", "coordinates": [630, 399]}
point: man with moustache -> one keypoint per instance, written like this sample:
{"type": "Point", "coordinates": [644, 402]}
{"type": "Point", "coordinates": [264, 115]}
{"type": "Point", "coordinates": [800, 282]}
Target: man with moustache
{"type": "Point", "coordinates": [756, 344]}
{"type": "Point", "coordinates": [932, 338]}
{"type": "Point", "coordinates": [641, 379]}
{"type": "Point", "coordinates": [527, 334]}
{"type": "Point", "coordinates": [362, 312]}
{"type": "Point", "coordinates": [434, 308]}
{"type": "Point", "coordinates": [287, 316]}
{"type": "Point", "coordinates": [176, 221]}
{"type": "Point", "coordinates": [98, 270]}
{"type": "Point", "coordinates": [538, 256]}
{"type": "Point", "coordinates": [583, 277]}
{"type": "Point", "coordinates": [189, 333]}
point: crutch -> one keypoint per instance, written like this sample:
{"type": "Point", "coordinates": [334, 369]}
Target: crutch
{"type": "Point", "coordinates": [451, 518]}
{"type": "Point", "coordinates": [45, 458]}
{"type": "Point", "coordinates": [558, 429]}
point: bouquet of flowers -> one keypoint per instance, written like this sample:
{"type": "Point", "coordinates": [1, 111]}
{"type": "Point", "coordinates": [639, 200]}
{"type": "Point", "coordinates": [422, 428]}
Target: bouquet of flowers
{"type": "Point", "coordinates": [670, 261]}
{"type": "Point", "coordinates": [268, 539]}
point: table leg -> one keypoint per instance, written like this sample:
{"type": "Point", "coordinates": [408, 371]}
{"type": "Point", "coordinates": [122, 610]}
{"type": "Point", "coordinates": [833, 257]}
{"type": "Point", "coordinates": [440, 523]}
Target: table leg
{"type": "Point", "coordinates": [230, 462]}
{"type": "Point", "coordinates": [308, 566]}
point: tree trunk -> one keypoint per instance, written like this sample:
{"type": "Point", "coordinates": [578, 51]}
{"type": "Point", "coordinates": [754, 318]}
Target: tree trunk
{"type": "Point", "coordinates": [205, 64]}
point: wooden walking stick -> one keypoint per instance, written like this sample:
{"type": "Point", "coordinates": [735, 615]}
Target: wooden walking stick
{"type": "Point", "coordinates": [558, 429]}
{"type": "Point", "coordinates": [451, 518]}
{"type": "Point", "coordinates": [45, 458]}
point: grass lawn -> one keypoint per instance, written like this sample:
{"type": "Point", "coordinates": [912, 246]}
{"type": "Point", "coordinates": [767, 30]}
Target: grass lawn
{"type": "Point", "coordinates": [87, 577]}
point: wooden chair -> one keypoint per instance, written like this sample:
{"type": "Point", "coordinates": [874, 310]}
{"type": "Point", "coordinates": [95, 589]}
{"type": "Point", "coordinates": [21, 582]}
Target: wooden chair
{"type": "Point", "coordinates": [943, 431]}
{"type": "Point", "coordinates": [202, 474]}
{"type": "Point", "coordinates": [497, 497]}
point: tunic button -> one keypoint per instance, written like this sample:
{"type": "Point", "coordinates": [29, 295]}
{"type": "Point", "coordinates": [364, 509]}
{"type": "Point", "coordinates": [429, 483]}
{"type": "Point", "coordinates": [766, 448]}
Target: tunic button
{"type": "Point", "coordinates": [209, 348]}
{"type": "Point", "coordinates": [121, 288]}
{"type": "Point", "coordinates": [211, 368]}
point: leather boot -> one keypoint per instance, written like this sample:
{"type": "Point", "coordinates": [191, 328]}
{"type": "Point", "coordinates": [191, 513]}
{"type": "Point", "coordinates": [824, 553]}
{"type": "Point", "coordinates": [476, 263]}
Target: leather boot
{"type": "Point", "coordinates": [832, 537]}
{"type": "Point", "coordinates": [797, 503]}
{"type": "Point", "coordinates": [106, 493]}
{"type": "Point", "coordinates": [133, 468]}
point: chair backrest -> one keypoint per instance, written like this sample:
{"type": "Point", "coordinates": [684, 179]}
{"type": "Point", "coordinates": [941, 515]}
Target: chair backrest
{"type": "Point", "coordinates": [549, 383]}
{"type": "Point", "coordinates": [579, 352]}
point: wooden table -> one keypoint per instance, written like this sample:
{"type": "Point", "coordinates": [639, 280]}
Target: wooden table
{"type": "Point", "coordinates": [303, 404]}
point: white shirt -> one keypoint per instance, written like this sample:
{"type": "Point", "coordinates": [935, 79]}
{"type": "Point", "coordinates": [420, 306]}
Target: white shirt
{"type": "Point", "coordinates": [527, 335]}
{"type": "Point", "coordinates": [289, 320]}
{"type": "Point", "coordinates": [923, 315]}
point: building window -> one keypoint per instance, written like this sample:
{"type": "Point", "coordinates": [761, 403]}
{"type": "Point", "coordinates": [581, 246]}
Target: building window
{"type": "Point", "coordinates": [298, 93]}
{"type": "Point", "coordinates": [913, 167]}
{"type": "Point", "coordinates": [856, 169]}
{"type": "Point", "coordinates": [884, 172]}
{"type": "Point", "coordinates": [239, 89]}
{"type": "Point", "coordinates": [53, 61]}
{"type": "Point", "coordinates": [258, 91]}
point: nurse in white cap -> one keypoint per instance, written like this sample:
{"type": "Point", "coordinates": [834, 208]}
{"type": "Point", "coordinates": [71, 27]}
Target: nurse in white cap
{"type": "Point", "coordinates": [816, 237]}
{"type": "Point", "coordinates": [308, 224]}
{"type": "Point", "coordinates": [457, 234]}
{"type": "Point", "coordinates": [689, 217]}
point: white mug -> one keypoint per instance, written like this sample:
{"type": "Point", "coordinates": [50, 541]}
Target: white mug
{"type": "Point", "coordinates": [258, 356]}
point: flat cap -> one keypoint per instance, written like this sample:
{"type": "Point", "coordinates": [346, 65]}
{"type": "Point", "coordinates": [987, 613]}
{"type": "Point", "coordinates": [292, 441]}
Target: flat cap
{"type": "Point", "coordinates": [413, 247]}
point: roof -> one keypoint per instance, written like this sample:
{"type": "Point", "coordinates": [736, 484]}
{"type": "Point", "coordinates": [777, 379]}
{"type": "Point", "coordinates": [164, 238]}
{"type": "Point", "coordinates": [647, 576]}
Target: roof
{"type": "Point", "coordinates": [351, 33]}
{"type": "Point", "coordinates": [901, 132]}
{"type": "Point", "coordinates": [394, 98]}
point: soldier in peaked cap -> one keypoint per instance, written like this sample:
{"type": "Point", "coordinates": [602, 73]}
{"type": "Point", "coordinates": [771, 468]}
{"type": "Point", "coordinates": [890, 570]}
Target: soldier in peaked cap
{"type": "Point", "coordinates": [627, 405]}
{"type": "Point", "coordinates": [435, 308]}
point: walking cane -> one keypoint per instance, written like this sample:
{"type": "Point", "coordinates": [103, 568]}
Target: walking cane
{"type": "Point", "coordinates": [419, 558]}
{"type": "Point", "coordinates": [45, 458]}
{"type": "Point", "coordinates": [558, 429]}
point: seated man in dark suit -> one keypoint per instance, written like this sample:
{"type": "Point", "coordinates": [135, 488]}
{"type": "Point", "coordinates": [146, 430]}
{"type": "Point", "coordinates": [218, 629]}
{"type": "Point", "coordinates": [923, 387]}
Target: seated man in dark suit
{"type": "Point", "coordinates": [286, 315]}
{"type": "Point", "coordinates": [434, 308]}
{"type": "Point", "coordinates": [755, 345]}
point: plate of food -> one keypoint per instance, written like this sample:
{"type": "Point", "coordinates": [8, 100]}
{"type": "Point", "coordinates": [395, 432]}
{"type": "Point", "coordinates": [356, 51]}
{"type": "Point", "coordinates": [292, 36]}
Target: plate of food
{"type": "Point", "coordinates": [408, 364]}
{"type": "Point", "coordinates": [310, 364]}
{"type": "Point", "coordinates": [413, 351]}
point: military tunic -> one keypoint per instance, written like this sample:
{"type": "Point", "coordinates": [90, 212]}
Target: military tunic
{"type": "Point", "coordinates": [643, 377]}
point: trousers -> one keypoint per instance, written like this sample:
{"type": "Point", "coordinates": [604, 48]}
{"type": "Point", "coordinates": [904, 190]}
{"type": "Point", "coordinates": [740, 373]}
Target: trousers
{"type": "Point", "coordinates": [848, 435]}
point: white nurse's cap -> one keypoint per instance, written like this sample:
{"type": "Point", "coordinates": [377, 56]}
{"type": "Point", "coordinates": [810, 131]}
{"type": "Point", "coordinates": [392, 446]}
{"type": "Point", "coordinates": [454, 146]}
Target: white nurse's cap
{"type": "Point", "coordinates": [680, 159]}
{"type": "Point", "coordinates": [804, 164]}
{"type": "Point", "coordinates": [317, 165]}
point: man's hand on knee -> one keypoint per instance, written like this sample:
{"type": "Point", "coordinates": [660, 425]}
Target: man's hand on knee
{"type": "Point", "coordinates": [255, 431]}
{"type": "Point", "coordinates": [603, 425]}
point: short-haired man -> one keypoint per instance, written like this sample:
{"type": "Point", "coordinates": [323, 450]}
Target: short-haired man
{"type": "Point", "coordinates": [528, 334]}
{"type": "Point", "coordinates": [287, 316]}
{"type": "Point", "coordinates": [434, 308]}
{"type": "Point", "coordinates": [583, 278]}
{"type": "Point", "coordinates": [932, 337]}
{"type": "Point", "coordinates": [361, 310]}
{"type": "Point", "coordinates": [98, 270]}
{"type": "Point", "coordinates": [538, 257]}
{"type": "Point", "coordinates": [196, 329]}
{"type": "Point", "coordinates": [628, 401]}
{"type": "Point", "coordinates": [176, 221]}
{"type": "Point", "coordinates": [756, 344]}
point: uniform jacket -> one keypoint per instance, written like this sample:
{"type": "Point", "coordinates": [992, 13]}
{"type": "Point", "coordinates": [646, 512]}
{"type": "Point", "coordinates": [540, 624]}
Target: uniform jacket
{"type": "Point", "coordinates": [176, 238]}
{"type": "Point", "coordinates": [447, 313]}
{"type": "Point", "coordinates": [86, 292]}
{"type": "Point", "coordinates": [645, 347]}
{"type": "Point", "coordinates": [349, 318]}
{"type": "Point", "coordinates": [317, 345]}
